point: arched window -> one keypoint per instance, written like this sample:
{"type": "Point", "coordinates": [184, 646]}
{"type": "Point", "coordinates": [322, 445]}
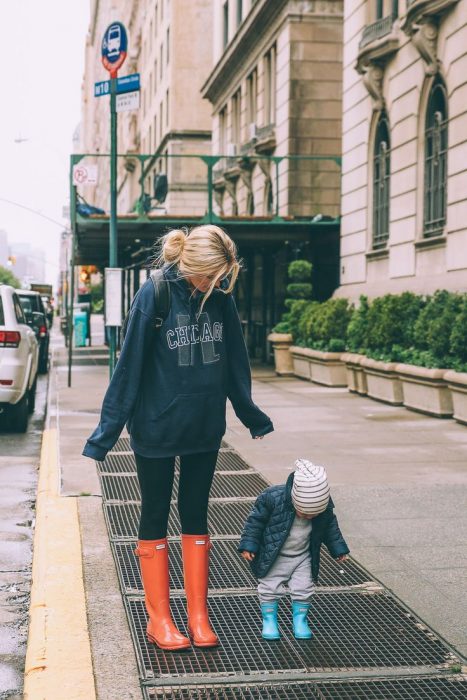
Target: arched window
{"type": "Point", "coordinates": [381, 181]}
{"type": "Point", "coordinates": [436, 144]}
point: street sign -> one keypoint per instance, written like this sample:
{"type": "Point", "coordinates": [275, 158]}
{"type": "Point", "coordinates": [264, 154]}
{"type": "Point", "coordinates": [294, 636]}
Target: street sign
{"type": "Point", "coordinates": [128, 83]}
{"type": "Point", "coordinates": [114, 47]}
{"type": "Point", "coordinates": [84, 174]}
{"type": "Point", "coordinates": [113, 296]}
{"type": "Point", "coordinates": [128, 101]}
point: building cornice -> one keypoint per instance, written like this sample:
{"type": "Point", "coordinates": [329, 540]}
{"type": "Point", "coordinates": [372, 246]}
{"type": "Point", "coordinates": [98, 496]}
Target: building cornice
{"type": "Point", "coordinates": [262, 14]}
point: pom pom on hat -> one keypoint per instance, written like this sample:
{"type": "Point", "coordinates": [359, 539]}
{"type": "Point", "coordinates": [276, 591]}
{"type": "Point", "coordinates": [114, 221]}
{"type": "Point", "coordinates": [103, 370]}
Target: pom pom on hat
{"type": "Point", "coordinates": [310, 489]}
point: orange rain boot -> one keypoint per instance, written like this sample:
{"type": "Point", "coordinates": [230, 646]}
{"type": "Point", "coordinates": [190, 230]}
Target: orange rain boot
{"type": "Point", "coordinates": [154, 561]}
{"type": "Point", "coordinates": [195, 550]}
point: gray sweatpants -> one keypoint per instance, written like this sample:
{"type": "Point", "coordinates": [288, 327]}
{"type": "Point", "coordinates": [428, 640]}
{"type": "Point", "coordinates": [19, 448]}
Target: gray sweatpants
{"type": "Point", "coordinates": [293, 571]}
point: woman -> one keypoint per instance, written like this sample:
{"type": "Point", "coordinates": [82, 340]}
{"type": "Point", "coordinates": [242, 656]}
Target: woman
{"type": "Point", "coordinates": [170, 386]}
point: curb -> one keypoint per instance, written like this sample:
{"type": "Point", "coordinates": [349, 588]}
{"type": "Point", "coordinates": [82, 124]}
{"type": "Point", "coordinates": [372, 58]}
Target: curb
{"type": "Point", "coordinates": [58, 656]}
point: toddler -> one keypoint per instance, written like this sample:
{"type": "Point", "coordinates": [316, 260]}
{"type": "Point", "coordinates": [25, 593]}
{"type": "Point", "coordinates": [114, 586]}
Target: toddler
{"type": "Point", "coordinates": [282, 539]}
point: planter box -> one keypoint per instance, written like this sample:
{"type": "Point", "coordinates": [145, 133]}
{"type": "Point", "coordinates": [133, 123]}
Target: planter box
{"type": "Point", "coordinates": [301, 358]}
{"type": "Point", "coordinates": [425, 390]}
{"type": "Point", "coordinates": [328, 368]}
{"type": "Point", "coordinates": [281, 343]}
{"type": "Point", "coordinates": [383, 382]}
{"type": "Point", "coordinates": [356, 378]}
{"type": "Point", "coordinates": [457, 385]}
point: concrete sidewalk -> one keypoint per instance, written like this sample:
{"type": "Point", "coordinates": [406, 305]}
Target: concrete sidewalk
{"type": "Point", "coordinates": [399, 479]}
{"type": "Point", "coordinates": [399, 482]}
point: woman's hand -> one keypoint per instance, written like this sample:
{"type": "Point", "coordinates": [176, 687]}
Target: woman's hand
{"type": "Point", "coordinates": [249, 556]}
{"type": "Point", "coordinates": [258, 437]}
{"type": "Point", "coordinates": [344, 557]}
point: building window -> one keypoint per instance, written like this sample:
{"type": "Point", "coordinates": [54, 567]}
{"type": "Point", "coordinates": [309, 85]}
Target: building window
{"type": "Point", "coordinates": [270, 86]}
{"type": "Point", "coordinates": [223, 131]}
{"type": "Point", "coordinates": [239, 12]}
{"type": "Point", "coordinates": [167, 109]}
{"type": "Point", "coordinates": [155, 131]}
{"type": "Point", "coordinates": [155, 19]}
{"type": "Point", "coordinates": [381, 182]}
{"type": "Point", "coordinates": [225, 23]}
{"type": "Point", "coordinates": [155, 76]}
{"type": "Point", "coordinates": [150, 138]}
{"type": "Point", "coordinates": [161, 112]}
{"type": "Point", "coordinates": [161, 60]}
{"type": "Point", "coordinates": [251, 96]}
{"type": "Point", "coordinates": [436, 143]}
{"type": "Point", "coordinates": [168, 42]}
{"type": "Point", "coordinates": [236, 117]}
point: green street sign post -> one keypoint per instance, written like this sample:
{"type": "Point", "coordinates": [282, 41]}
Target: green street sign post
{"type": "Point", "coordinates": [114, 52]}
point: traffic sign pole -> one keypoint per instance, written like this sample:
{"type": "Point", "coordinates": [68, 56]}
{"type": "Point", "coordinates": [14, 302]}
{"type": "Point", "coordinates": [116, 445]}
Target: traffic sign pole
{"type": "Point", "coordinates": [114, 52]}
{"type": "Point", "coordinates": [113, 231]}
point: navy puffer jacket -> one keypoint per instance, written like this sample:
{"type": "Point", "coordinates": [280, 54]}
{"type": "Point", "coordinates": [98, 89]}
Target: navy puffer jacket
{"type": "Point", "coordinates": [268, 525]}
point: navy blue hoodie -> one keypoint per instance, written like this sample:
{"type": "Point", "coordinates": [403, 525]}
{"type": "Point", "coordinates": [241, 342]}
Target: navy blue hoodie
{"type": "Point", "coordinates": [170, 385]}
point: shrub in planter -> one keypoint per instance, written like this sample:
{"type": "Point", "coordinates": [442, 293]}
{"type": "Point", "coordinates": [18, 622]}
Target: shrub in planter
{"type": "Point", "coordinates": [458, 338]}
{"type": "Point", "coordinates": [325, 326]}
{"type": "Point", "coordinates": [432, 331]}
{"type": "Point", "coordinates": [357, 328]}
{"type": "Point", "coordinates": [391, 322]}
{"type": "Point", "coordinates": [299, 292]}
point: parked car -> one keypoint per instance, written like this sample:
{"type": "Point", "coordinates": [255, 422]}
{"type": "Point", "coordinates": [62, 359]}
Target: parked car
{"type": "Point", "coordinates": [49, 309]}
{"type": "Point", "coordinates": [35, 314]}
{"type": "Point", "coordinates": [19, 360]}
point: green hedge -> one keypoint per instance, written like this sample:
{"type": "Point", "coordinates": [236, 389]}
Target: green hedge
{"type": "Point", "coordinates": [428, 331]}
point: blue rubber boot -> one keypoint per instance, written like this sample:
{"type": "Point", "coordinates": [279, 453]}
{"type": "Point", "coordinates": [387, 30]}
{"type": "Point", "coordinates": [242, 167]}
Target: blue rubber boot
{"type": "Point", "coordinates": [301, 629]}
{"type": "Point", "coordinates": [270, 628]}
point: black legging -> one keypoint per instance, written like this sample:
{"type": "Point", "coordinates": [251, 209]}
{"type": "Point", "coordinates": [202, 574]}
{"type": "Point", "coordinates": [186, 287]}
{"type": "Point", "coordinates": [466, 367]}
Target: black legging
{"type": "Point", "coordinates": [156, 477]}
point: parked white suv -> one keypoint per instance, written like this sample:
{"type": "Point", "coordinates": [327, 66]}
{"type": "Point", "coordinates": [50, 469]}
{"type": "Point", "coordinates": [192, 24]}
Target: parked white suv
{"type": "Point", "coordinates": [19, 356]}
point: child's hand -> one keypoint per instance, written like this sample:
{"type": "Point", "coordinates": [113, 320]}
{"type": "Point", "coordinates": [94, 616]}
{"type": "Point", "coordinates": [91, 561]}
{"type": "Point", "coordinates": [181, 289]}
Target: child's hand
{"type": "Point", "coordinates": [343, 557]}
{"type": "Point", "coordinates": [249, 556]}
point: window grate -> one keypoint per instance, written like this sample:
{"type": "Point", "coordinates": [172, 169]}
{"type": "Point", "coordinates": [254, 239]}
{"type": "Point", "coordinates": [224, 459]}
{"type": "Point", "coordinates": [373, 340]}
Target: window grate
{"type": "Point", "coordinates": [436, 147]}
{"type": "Point", "coordinates": [381, 183]}
{"type": "Point", "coordinates": [352, 631]}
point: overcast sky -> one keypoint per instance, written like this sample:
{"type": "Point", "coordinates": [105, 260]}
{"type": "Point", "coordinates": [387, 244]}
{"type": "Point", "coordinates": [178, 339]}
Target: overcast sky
{"type": "Point", "coordinates": [42, 62]}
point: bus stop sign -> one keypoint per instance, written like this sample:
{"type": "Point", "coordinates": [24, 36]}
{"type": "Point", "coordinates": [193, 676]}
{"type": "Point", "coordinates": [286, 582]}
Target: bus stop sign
{"type": "Point", "coordinates": [114, 47]}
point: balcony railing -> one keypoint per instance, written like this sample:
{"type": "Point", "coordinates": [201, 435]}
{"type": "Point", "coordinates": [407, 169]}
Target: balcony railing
{"type": "Point", "coordinates": [377, 30]}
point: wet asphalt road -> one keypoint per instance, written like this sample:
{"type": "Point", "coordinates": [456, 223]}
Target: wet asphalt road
{"type": "Point", "coordinates": [19, 461]}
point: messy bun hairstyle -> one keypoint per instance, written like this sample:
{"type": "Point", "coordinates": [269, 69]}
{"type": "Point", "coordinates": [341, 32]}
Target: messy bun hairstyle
{"type": "Point", "coordinates": [203, 251]}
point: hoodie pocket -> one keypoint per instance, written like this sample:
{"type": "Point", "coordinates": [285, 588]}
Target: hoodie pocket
{"type": "Point", "coordinates": [189, 419]}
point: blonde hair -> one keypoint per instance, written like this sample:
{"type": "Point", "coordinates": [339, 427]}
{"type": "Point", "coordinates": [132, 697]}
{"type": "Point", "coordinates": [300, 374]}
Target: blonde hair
{"type": "Point", "coordinates": [203, 251]}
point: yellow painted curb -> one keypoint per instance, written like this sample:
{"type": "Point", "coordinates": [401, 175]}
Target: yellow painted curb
{"type": "Point", "coordinates": [58, 657]}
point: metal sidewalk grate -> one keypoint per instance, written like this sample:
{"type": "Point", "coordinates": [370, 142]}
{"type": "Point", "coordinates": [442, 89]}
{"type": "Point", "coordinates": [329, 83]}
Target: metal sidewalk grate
{"type": "Point", "coordinates": [240, 651]}
{"type": "Point", "coordinates": [436, 688]}
{"type": "Point", "coordinates": [120, 488]}
{"type": "Point", "coordinates": [224, 518]}
{"type": "Point", "coordinates": [117, 463]}
{"type": "Point", "coordinates": [394, 689]}
{"type": "Point", "coordinates": [352, 631]}
{"type": "Point", "coordinates": [226, 567]}
{"type": "Point", "coordinates": [125, 487]}
{"type": "Point", "coordinates": [122, 445]}
{"type": "Point", "coordinates": [125, 463]}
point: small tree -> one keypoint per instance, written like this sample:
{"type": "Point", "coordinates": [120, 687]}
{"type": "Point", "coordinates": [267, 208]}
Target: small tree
{"type": "Point", "coordinates": [7, 277]}
{"type": "Point", "coordinates": [298, 298]}
{"type": "Point", "coordinates": [357, 328]}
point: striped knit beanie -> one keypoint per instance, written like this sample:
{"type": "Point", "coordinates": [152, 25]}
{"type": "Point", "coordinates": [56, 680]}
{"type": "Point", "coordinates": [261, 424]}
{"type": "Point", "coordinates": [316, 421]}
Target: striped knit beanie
{"type": "Point", "coordinates": [310, 489]}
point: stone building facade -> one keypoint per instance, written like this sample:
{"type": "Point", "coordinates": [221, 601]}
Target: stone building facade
{"type": "Point", "coordinates": [275, 90]}
{"type": "Point", "coordinates": [404, 183]}
{"type": "Point", "coordinates": [165, 48]}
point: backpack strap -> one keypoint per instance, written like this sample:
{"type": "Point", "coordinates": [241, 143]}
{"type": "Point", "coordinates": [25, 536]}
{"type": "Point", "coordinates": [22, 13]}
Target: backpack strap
{"type": "Point", "coordinates": [162, 296]}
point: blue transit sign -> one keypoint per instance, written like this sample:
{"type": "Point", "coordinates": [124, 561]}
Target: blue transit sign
{"type": "Point", "coordinates": [114, 47]}
{"type": "Point", "coordinates": [127, 83]}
